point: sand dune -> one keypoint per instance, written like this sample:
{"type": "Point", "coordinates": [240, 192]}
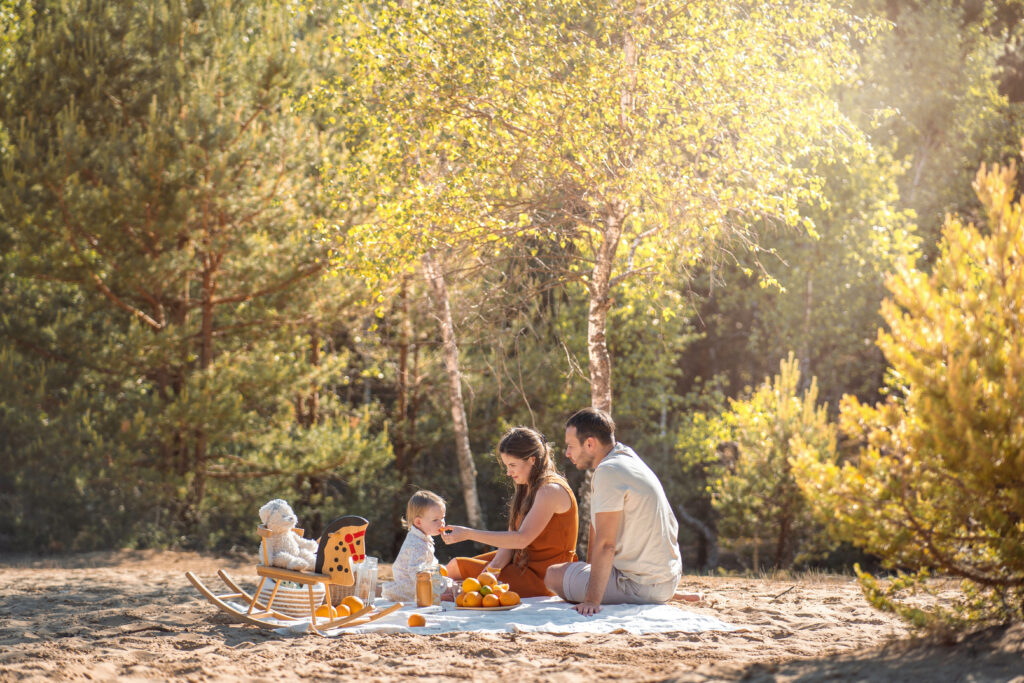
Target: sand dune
{"type": "Point", "coordinates": [133, 615]}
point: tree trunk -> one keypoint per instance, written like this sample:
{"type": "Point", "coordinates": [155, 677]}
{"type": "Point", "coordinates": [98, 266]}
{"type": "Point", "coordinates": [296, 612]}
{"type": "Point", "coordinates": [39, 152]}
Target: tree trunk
{"type": "Point", "coordinates": [597, 318]}
{"type": "Point", "coordinates": [198, 489]}
{"type": "Point", "coordinates": [600, 284]}
{"type": "Point", "coordinates": [707, 556]}
{"type": "Point", "coordinates": [467, 469]}
{"type": "Point", "coordinates": [401, 436]}
{"type": "Point", "coordinates": [597, 345]}
{"type": "Point", "coordinates": [307, 406]}
{"type": "Point", "coordinates": [805, 343]}
{"type": "Point", "coordinates": [313, 404]}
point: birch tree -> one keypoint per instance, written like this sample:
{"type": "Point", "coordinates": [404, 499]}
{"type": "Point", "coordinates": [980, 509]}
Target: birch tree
{"type": "Point", "coordinates": [643, 138]}
{"type": "Point", "coordinates": [668, 130]}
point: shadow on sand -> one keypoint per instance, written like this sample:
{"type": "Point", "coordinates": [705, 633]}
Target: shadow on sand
{"type": "Point", "coordinates": [991, 655]}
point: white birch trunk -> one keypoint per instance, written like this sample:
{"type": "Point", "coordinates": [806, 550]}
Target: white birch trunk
{"type": "Point", "coordinates": [600, 363]}
{"type": "Point", "coordinates": [450, 351]}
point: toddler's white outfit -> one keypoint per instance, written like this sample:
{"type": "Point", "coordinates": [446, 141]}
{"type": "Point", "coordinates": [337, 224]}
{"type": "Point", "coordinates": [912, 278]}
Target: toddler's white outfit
{"type": "Point", "coordinates": [417, 554]}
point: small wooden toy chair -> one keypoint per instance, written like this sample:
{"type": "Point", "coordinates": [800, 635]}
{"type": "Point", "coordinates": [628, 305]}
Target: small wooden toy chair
{"type": "Point", "coordinates": [340, 544]}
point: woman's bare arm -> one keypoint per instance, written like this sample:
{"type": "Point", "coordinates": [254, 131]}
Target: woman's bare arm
{"type": "Point", "coordinates": [551, 499]}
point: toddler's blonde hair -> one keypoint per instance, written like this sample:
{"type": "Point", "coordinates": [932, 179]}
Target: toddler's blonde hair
{"type": "Point", "coordinates": [418, 505]}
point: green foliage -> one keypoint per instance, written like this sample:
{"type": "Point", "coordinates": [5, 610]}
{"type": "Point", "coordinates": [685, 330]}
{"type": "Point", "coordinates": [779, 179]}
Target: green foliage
{"type": "Point", "coordinates": [825, 292]}
{"type": "Point", "coordinates": [338, 466]}
{"type": "Point", "coordinates": [926, 93]}
{"type": "Point", "coordinates": [159, 196]}
{"type": "Point", "coordinates": [939, 482]}
{"type": "Point", "coordinates": [929, 90]}
{"type": "Point", "coordinates": [627, 138]}
{"type": "Point", "coordinates": [176, 177]}
{"type": "Point", "coordinates": [758, 499]}
{"type": "Point", "coordinates": [488, 123]}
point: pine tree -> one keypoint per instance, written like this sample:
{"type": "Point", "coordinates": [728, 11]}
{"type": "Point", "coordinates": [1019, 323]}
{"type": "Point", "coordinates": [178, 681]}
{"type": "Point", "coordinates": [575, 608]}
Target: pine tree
{"type": "Point", "coordinates": [160, 193]}
{"type": "Point", "coordinates": [758, 498]}
{"type": "Point", "coordinates": [938, 486]}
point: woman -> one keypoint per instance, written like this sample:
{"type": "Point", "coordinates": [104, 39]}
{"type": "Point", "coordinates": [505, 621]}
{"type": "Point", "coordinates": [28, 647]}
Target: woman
{"type": "Point", "coordinates": [543, 520]}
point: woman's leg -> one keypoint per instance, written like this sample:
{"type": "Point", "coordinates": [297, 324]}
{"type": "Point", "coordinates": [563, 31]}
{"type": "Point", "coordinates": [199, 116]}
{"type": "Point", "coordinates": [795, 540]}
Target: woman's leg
{"type": "Point", "coordinates": [453, 570]}
{"type": "Point", "coordinates": [464, 567]}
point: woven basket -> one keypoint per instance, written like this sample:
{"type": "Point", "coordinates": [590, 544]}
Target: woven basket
{"type": "Point", "coordinates": [291, 601]}
{"type": "Point", "coordinates": [364, 587]}
{"type": "Point", "coordinates": [339, 593]}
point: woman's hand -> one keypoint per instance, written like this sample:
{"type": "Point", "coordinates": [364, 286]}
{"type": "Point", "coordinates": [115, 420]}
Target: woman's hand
{"type": "Point", "coordinates": [455, 534]}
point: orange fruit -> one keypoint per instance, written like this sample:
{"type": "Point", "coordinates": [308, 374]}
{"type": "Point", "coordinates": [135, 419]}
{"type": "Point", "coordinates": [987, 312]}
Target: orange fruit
{"type": "Point", "coordinates": [485, 590]}
{"type": "Point", "coordinates": [326, 612]}
{"type": "Point", "coordinates": [491, 600]}
{"type": "Point", "coordinates": [498, 590]}
{"type": "Point", "coordinates": [342, 611]}
{"type": "Point", "coordinates": [417, 620]}
{"type": "Point", "coordinates": [509, 598]}
{"type": "Point", "coordinates": [443, 569]}
{"type": "Point", "coordinates": [353, 603]}
{"type": "Point", "coordinates": [487, 579]}
{"type": "Point", "coordinates": [459, 600]}
{"type": "Point", "coordinates": [472, 599]}
{"type": "Point", "coordinates": [470, 585]}
{"type": "Point", "coordinates": [504, 586]}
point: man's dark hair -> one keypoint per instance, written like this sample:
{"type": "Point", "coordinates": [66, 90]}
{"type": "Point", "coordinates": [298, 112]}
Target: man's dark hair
{"type": "Point", "coordinates": [591, 422]}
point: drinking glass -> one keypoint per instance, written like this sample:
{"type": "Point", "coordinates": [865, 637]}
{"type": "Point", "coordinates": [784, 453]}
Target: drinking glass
{"type": "Point", "coordinates": [366, 580]}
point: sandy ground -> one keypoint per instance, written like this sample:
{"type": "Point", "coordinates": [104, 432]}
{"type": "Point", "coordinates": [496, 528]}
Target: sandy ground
{"type": "Point", "coordinates": [133, 615]}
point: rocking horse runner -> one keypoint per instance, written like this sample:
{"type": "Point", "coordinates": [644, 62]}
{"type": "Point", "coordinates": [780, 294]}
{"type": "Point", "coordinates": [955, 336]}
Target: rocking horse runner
{"type": "Point", "coordinates": [341, 543]}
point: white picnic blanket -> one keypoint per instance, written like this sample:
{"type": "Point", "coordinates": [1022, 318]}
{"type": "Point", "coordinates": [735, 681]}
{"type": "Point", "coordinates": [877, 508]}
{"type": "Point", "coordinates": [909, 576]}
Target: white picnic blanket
{"type": "Point", "coordinates": [537, 615]}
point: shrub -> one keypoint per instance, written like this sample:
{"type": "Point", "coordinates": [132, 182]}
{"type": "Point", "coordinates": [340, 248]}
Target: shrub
{"type": "Point", "coordinates": [938, 486]}
{"type": "Point", "coordinates": [758, 498]}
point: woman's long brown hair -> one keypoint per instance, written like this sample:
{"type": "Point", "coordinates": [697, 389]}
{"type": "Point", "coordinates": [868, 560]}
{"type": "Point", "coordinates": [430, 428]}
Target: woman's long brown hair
{"type": "Point", "coordinates": [524, 443]}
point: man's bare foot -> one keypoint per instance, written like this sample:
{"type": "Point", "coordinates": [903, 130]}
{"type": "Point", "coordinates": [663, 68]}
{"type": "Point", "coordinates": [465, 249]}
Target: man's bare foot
{"type": "Point", "coordinates": [688, 597]}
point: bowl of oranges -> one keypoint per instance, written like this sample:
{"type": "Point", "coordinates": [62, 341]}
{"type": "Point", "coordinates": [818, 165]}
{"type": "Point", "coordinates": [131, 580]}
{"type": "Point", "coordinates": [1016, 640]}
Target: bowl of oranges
{"type": "Point", "coordinates": [485, 593]}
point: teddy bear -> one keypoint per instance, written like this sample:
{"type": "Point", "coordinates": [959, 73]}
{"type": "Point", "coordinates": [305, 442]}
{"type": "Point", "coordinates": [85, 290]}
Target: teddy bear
{"type": "Point", "coordinates": [285, 548]}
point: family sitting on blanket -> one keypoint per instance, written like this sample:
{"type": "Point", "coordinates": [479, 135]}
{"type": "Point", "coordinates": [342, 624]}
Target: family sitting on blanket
{"type": "Point", "coordinates": [633, 548]}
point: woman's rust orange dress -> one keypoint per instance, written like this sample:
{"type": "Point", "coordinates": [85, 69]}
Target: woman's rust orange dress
{"type": "Point", "coordinates": [554, 545]}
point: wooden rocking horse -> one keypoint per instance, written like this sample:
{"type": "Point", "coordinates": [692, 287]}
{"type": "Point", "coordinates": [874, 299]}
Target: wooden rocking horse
{"type": "Point", "coordinates": [340, 544]}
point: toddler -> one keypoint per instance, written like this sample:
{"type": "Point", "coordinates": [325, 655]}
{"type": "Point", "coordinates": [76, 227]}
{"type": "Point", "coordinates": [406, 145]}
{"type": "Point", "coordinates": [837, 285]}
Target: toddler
{"type": "Point", "coordinates": [424, 518]}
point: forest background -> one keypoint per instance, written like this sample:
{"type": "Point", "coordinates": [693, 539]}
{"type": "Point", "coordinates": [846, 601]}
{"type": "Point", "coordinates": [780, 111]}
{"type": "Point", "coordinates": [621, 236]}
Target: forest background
{"type": "Point", "coordinates": [330, 251]}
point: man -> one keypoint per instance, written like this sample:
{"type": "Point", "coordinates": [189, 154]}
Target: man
{"type": "Point", "coordinates": [634, 552]}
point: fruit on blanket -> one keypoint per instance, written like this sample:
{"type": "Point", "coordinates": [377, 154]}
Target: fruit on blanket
{"type": "Point", "coordinates": [417, 620]}
{"type": "Point", "coordinates": [342, 611]}
{"type": "Point", "coordinates": [491, 600]}
{"type": "Point", "coordinates": [470, 585]}
{"type": "Point", "coordinates": [472, 599]}
{"type": "Point", "coordinates": [353, 603]}
{"type": "Point", "coordinates": [509, 598]}
{"type": "Point", "coordinates": [326, 611]}
{"type": "Point", "coordinates": [487, 579]}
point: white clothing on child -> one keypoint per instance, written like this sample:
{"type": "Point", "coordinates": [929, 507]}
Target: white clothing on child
{"type": "Point", "coordinates": [417, 554]}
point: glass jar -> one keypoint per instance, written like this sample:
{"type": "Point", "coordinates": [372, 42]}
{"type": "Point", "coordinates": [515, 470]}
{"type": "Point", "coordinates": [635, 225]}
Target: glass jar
{"type": "Point", "coordinates": [436, 585]}
{"type": "Point", "coordinates": [424, 588]}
